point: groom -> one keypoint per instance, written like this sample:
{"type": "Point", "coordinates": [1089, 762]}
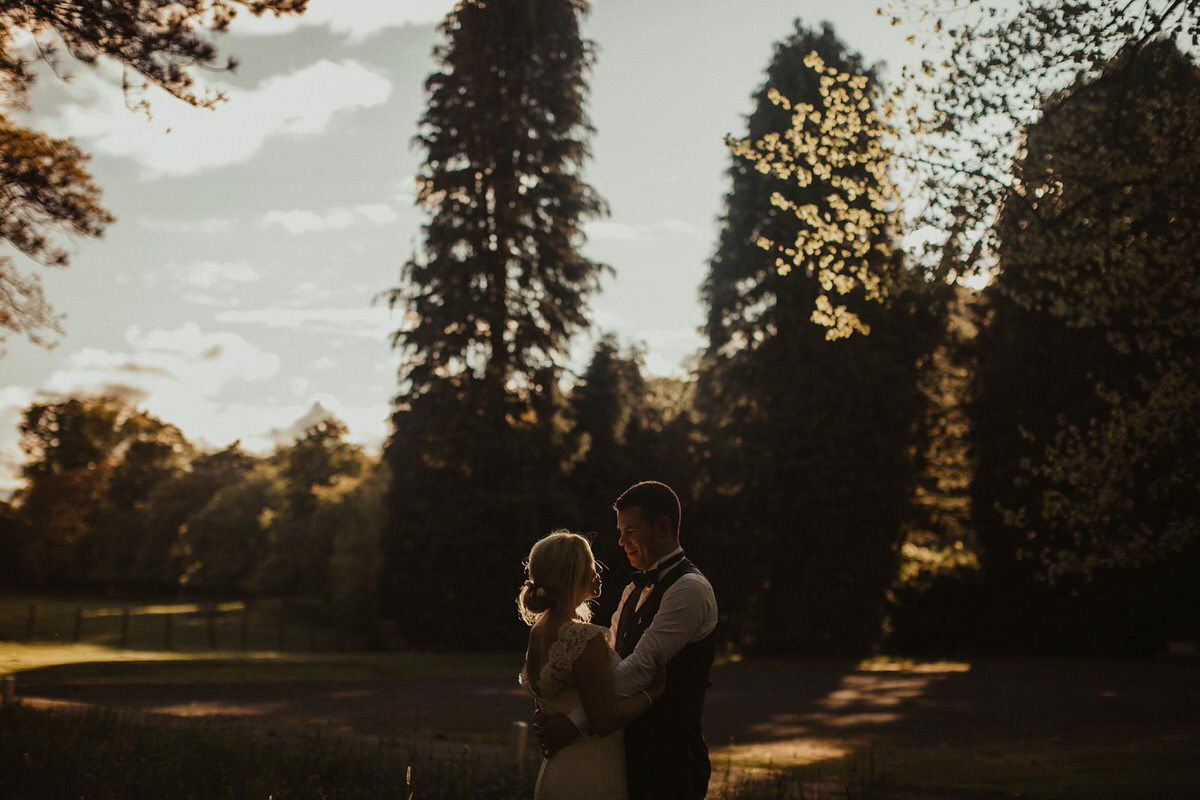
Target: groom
{"type": "Point", "coordinates": [667, 614]}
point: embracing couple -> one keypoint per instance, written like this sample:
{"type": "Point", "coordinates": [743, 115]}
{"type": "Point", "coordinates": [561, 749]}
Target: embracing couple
{"type": "Point", "coordinates": [619, 708]}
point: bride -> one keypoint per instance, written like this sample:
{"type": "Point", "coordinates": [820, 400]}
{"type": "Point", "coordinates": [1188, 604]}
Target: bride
{"type": "Point", "coordinates": [569, 662]}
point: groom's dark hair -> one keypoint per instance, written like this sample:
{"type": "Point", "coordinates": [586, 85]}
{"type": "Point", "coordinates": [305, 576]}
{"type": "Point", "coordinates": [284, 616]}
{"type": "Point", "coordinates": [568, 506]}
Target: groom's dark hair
{"type": "Point", "coordinates": [655, 499]}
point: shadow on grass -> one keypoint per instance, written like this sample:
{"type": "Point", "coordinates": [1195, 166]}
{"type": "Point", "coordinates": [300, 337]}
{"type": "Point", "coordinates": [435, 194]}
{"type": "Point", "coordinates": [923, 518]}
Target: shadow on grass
{"type": "Point", "coordinates": [1033, 728]}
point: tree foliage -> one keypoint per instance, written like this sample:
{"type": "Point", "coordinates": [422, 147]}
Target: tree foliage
{"type": "Point", "coordinates": [990, 66]}
{"type": "Point", "coordinates": [44, 184]}
{"type": "Point", "coordinates": [807, 464]}
{"type": "Point", "coordinates": [119, 501]}
{"type": "Point", "coordinates": [89, 462]}
{"type": "Point", "coordinates": [624, 428]}
{"type": "Point", "coordinates": [501, 284]}
{"type": "Point", "coordinates": [832, 153]}
{"type": "Point", "coordinates": [1090, 364]}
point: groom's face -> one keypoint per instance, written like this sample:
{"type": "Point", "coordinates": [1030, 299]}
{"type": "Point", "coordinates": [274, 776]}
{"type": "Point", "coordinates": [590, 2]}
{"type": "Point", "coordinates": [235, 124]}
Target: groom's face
{"type": "Point", "coordinates": [637, 537]}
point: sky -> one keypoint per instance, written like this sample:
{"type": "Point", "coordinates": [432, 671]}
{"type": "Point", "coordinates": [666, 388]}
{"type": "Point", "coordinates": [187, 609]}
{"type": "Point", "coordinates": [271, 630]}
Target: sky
{"type": "Point", "coordinates": [236, 295]}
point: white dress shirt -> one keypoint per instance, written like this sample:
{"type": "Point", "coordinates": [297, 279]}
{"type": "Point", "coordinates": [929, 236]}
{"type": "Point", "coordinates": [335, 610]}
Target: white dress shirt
{"type": "Point", "coordinates": [688, 613]}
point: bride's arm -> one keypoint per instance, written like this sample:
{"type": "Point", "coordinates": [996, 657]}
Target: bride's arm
{"type": "Point", "coordinates": [605, 711]}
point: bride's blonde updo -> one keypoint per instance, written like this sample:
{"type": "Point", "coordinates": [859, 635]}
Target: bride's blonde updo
{"type": "Point", "coordinates": [558, 574]}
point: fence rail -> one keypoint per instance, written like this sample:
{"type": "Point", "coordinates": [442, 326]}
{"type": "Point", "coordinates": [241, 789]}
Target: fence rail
{"type": "Point", "coordinates": [185, 626]}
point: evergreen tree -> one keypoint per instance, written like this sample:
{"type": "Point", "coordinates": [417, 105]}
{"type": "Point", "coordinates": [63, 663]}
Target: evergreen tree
{"type": "Point", "coordinates": [623, 430]}
{"type": "Point", "coordinates": [807, 466]}
{"type": "Point", "coordinates": [493, 298]}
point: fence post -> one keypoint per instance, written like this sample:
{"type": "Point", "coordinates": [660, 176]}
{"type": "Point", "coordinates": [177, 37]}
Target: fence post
{"type": "Point", "coordinates": [125, 628]}
{"type": "Point", "coordinates": [31, 623]}
{"type": "Point", "coordinates": [10, 691]}
{"type": "Point", "coordinates": [78, 624]}
{"type": "Point", "coordinates": [212, 627]}
{"type": "Point", "coordinates": [521, 739]}
{"type": "Point", "coordinates": [167, 630]}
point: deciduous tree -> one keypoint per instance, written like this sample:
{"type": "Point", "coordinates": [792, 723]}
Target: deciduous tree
{"type": "Point", "coordinates": [45, 188]}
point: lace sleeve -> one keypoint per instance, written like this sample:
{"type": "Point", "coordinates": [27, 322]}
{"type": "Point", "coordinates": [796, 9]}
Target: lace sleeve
{"type": "Point", "coordinates": [573, 637]}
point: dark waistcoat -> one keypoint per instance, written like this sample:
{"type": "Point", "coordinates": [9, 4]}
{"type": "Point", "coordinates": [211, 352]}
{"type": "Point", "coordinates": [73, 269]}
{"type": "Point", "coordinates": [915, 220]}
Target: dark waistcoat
{"type": "Point", "coordinates": [665, 753]}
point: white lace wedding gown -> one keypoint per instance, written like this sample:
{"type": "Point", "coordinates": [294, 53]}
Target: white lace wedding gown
{"type": "Point", "coordinates": [591, 767]}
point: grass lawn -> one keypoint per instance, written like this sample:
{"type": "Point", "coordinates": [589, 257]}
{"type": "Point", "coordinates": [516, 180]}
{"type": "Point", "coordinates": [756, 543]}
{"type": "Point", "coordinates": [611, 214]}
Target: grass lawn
{"type": "Point", "coordinates": [1146, 766]}
{"type": "Point", "coordinates": [1048, 729]}
{"type": "Point", "coordinates": [34, 664]}
{"type": "Point", "coordinates": [1143, 765]}
{"type": "Point", "coordinates": [67, 756]}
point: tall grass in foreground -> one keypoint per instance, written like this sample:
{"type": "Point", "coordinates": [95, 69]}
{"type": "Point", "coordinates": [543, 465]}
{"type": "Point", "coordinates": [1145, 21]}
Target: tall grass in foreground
{"type": "Point", "coordinates": [101, 755]}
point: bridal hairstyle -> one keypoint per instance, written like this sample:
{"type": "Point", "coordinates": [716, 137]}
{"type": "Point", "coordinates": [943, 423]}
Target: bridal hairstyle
{"type": "Point", "coordinates": [558, 572]}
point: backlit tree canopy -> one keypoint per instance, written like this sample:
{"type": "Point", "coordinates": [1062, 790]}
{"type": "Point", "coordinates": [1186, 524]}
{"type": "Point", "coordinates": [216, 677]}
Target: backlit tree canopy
{"type": "Point", "coordinates": [988, 70]}
{"type": "Point", "coordinates": [832, 152]}
{"type": "Point", "coordinates": [1095, 318]}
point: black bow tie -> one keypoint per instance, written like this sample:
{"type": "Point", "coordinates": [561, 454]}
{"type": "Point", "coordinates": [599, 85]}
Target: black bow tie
{"type": "Point", "coordinates": [648, 578]}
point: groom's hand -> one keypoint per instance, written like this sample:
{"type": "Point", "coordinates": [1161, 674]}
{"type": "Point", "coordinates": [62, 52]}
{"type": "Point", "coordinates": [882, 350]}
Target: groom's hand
{"type": "Point", "coordinates": [554, 731]}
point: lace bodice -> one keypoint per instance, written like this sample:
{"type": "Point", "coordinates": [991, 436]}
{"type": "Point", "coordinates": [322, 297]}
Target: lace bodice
{"type": "Point", "coordinates": [556, 691]}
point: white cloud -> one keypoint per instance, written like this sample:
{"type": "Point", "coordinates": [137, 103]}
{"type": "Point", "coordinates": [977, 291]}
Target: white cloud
{"type": "Point", "coordinates": [379, 213]}
{"type": "Point", "coordinates": [357, 20]}
{"type": "Point", "coordinates": [182, 140]}
{"type": "Point", "coordinates": [598, 230]}
{"type": "Point", "coordinates": [13, 401]}
{"type": "Point", "coordinates": [406, 190]}
{"type": "Point", "coordinates": [667, 350]}
{"type": "Point", "coordinates": [184, 362]}
{"type": "Point", "coordinates": [180, 375]}
{"type": "Point", "coordinates": [607, 230]}
{"type": "Point", "coordinates": [309, 291]}
{"type": "Point", "coordinates": [209, 225]}
{"type": "Point", "coordinates": [208, 274]}
{"type": "Point", "coordinates": [298, 221]}
{"type": "Point", "coordinates": [367, 424]}
{"type": "Point", "coordinates": [680, 226]}
{"type": "Point", "coordinates": [373, 322]}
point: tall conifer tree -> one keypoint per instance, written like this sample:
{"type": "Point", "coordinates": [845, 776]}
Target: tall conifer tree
{"type": "Point", "coordinates": [492, 301]}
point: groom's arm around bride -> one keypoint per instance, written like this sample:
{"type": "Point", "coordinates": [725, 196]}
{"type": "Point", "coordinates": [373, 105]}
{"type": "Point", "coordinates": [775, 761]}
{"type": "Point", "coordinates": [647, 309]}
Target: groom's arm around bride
{"type": "Point", "coordinates": [667, 615]}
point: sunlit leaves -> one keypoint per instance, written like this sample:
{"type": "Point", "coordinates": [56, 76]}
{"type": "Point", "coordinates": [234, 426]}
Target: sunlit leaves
{"type": "Point", "coordinates": [44, 189]}
{"type": "Point", "coordinates": [836, 147]}
{"type": "Point", "coordinates": [966, 107]}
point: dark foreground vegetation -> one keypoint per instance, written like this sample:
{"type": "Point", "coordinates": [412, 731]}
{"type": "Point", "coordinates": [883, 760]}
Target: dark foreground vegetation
{"type": "Point", "coordinates": [100, 754]}
{"type": "Point", "coordinates": [95, 755]}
